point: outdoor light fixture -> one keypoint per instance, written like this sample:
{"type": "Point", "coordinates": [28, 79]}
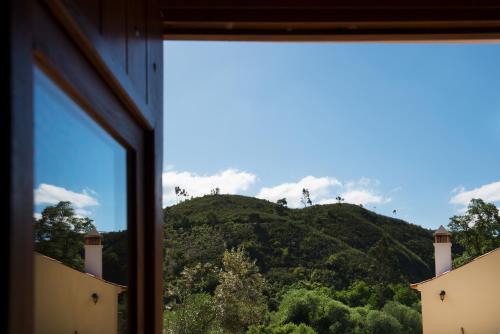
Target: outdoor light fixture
{"type": "Point", "coordinates": [95, 297]}
{"type": "Point", "coordinates": [442, 294]}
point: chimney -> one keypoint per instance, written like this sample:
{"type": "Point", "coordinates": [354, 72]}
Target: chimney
{"type": "Point", "coordinates": [93, 253]}
{"type": "Point", "coordinates": [442, 250]}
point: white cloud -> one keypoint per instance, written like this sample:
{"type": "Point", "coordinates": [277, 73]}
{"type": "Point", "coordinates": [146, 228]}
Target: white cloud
{"type": "Point", "coordinates": [489, 193]}
{"type": "Point", "coordinates": [364, 196]}
{"type": "Point", "coordinates": [50, 194]}
{"type": "Point", "coordinates": [318, 187]}
{"type": "Point", "coordinates": [323, 190]}
{"type": "Point", "coordinates": [229, 181]}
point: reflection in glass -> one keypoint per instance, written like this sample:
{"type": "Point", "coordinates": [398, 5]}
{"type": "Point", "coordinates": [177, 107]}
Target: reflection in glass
{"type": "Point", "coordinates": [80, 223]}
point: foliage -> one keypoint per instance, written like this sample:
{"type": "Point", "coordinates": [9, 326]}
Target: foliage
{"type": "Point", "coordinates": [59, 234]}
{"type": "Point", "coordinates": [195, 316]}
{"type": "Point", "coordinates": [282, 206]}
{"type": "Point", "coordinates": [239, 298]}
{"type": "Point", "coordinates": [288, 328]}
{"type": "Point", "coordinates": [333, 245]}
{"type": "Point", "coordinates": [378, 322]}
{"type": "Point", "coordinates": [478, 230]}
{"type": "Point", "coordinates": [306, 197]}
{"type": "Point", "coordinates": [314, 308]}
{"type": "Point", "coordinates": [115, 257]}
{"type": "Point", "coordinates": [180, 193]}
{"type": "Point", "coordinates": [410, 320]}
{"type": "Point", "coordinates": [335, 268]}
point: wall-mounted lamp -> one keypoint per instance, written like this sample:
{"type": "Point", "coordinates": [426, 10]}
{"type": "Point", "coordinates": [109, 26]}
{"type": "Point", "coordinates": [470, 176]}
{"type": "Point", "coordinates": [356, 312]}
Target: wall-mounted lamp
{"type": "Point", "coordinates": [95, 297]}
{"type": "Point", "coordinates": [442, 294]}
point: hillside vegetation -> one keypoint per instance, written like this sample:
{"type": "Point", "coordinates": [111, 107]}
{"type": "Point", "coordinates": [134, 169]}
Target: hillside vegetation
{"type": "Point", "coordinates": [333, 244]}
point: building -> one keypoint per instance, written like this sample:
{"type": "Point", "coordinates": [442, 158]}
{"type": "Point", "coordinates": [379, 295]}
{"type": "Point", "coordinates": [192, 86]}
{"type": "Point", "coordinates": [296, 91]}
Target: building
{"type": "Point", "coordinates": [70, 301]}
{"type": "Point", "coordinates": [465, 300]}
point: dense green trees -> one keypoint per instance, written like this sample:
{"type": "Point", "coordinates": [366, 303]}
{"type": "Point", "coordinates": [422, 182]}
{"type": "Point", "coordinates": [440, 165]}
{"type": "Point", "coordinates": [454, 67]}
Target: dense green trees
{"type": "Point", "coordinates": [237, 302]}
{"type": "Point", "coordinates": [239, 297]}
{"type": "Point", "coordinates": [59, 234]}
{"type": "Point", "coordinates": [477, 231]}
{"type": "Point", "coordinates": [319, 311]}
{"type": "Point", "coordinates": [300, 271]}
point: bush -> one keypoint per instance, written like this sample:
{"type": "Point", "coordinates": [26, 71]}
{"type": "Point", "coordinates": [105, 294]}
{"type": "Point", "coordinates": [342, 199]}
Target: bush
{"type": "Point", "coordinates": [410, 320]}
{"type": "Point", "coordinates": [405, 295]}
{"type": "Point", "coordinates": [315, 309]}
{"type": "Point", "coordinates": [282, 329]}
{"type": "Point", "coordinates": [381, 323]}
{"type": "Point", "coordinates": [358, 294]}
{"type": "Point", "coordinates": [195, 316]}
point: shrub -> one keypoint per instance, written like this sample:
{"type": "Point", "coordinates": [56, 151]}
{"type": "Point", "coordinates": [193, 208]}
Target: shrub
{"type": "Point", "coordinates": [315, 309]}
{"type": "Point", "coordinates": [195, 316]}
{"type": "Point", "coordinates": [381, 323]}
{"type": "Point", "coordinates": [404, 295]}
{"type": "Point", "coordinates": [410, 320]}
{"type": "Point", "coordinates": [282, 329]}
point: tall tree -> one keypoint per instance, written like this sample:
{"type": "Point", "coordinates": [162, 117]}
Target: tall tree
{"type": "Point", "coordinates": [306, 197]}
{"type": "Point", "coordinates": [478, 230]}
{"type": "Point", "coordinates": [59, 234]}
{"type": "Point", "coordinates": [239, 298]}
{"type": "Point", "coordinates": [180, 193]}
{"type": "Point", "coordinates": [282, 205]}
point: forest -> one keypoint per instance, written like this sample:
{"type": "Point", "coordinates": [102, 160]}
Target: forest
{"type": "Point", "coordinates": [250, 265]}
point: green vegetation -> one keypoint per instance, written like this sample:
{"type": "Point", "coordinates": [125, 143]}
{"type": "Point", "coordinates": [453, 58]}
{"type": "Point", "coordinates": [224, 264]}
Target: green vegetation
{"type": "Point", "coordinates": [249, 265]}
{"type": "Point", "coordinates": [58, 234]}
{"type": "Point", "coordinates": [477, 231]}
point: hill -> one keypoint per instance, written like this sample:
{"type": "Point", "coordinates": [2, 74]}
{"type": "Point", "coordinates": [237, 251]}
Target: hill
{"type": "Point", "coordinates": [333, 245]}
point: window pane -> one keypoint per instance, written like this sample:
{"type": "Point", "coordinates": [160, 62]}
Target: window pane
{"type": "Point", "coordinates": [80, 220]}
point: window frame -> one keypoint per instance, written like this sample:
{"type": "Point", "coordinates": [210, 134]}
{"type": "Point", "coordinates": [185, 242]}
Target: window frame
{"type": "Point", "coordinates": [17, 119]}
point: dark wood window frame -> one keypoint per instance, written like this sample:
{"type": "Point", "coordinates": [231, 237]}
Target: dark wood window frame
{"type": "Point", "coordinates": [44, 34]}
{"type": "Point", "coordinates": [280, 20]}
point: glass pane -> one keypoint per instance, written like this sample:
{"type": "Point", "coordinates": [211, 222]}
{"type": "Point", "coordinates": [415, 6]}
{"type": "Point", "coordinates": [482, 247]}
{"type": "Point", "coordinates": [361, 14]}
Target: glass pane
{"type": "Point", "coordinates": [80, 220]}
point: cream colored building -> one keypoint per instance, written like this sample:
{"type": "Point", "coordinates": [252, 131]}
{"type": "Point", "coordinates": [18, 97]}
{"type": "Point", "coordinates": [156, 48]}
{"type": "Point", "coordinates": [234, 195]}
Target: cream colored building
{"type": "Point", "coordinates": [465, 300]}
{"type": "Point", "coordinates": [72, 302]}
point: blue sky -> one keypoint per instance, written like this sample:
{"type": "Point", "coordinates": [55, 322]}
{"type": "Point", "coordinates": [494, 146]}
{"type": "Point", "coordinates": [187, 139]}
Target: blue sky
{"type": "Point", "coordinates": [76, 161]}
{"type": "Point", "coordinates": [415, 128]}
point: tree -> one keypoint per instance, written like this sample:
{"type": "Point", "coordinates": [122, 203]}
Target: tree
{"type": "Point", "coordinates": [282, 206]}
{"type": "Point", "coordinates": [239, 298]}
{"type": "Point", "coordinates": [180, 193]}
{"type": "Point", "coordinates": [215, 191]}
{"type": "Point", "coordinates": [195, 316]}
{"type": "Point", "coordinates": [478, 230]}
{"type": "Point", "coordinates": [59, 234]}
{"type": "Point", "coordinates": [339, 199]}
{"type": "Point", "coordinates": [378, 322]}
{"type": "Point", "coordinates": [315, 309]}
{"type": "Point", "coordinates": [282, 202]}
{"type": "Point", "coordinates": [306, 197]}
{"type": "Point", "coordinates": [387, 264]}
{"type": "Point", "coordinates": [410, 320]}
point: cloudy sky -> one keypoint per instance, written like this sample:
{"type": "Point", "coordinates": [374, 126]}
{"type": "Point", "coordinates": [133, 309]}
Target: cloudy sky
{"type": "Point", "coordinates": [76, 161]}
{"type": "Point", "coordinates": [411, 128]}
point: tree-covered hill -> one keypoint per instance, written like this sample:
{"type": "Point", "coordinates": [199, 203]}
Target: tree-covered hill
{"type": "Point", "coordinates": [333, 245]}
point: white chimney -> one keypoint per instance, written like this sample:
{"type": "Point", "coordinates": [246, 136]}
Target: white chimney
{"type": "Point", "coordinates": [93, 253]}
{"type": "Point", "coordinates": [442, 250]}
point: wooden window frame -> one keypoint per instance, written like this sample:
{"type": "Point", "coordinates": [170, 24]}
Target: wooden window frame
{"type": "Point", "coordinates": [260, 20]}
{"type": "Point", "coordinates": [42, 34]}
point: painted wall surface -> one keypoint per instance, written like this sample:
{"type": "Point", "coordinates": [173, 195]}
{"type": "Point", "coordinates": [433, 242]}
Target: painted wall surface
{"type": "Point", "coordinates": [63, 302]}
{"type": "Point", "coordinates": [93, 259]}
{"type": "Point", "coordinates": [442, 257]}
{"type": "Point", "coordinates": [472, 300]}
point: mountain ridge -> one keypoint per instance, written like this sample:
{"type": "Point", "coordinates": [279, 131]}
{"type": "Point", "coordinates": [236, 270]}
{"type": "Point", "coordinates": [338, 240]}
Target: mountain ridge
{"type": "Point", "coordinates": [333, 244]}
